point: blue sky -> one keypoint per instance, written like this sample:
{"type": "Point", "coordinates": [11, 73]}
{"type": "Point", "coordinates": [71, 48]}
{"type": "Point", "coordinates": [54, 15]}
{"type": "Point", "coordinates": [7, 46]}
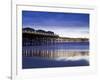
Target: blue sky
{"type": "Point", "coordinates": [63, 24]}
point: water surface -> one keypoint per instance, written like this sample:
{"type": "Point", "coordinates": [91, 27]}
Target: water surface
{"type": "Point", "coordinates": [56, 55]}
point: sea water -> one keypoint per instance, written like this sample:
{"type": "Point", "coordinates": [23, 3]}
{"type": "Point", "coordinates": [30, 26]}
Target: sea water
{"type": "Point", "coordinates": [65, 54]}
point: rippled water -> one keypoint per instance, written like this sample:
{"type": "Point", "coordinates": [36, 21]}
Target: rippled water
{"type": "Point", "coordinates": [56, 55]}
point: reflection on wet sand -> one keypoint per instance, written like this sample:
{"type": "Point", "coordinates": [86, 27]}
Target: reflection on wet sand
{"type": "Point", "coordinates": [51, 54]}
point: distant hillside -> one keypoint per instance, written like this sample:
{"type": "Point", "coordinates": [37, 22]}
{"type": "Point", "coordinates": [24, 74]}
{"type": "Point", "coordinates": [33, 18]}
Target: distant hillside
{"type": "Point", "coordinates": [74, 39]}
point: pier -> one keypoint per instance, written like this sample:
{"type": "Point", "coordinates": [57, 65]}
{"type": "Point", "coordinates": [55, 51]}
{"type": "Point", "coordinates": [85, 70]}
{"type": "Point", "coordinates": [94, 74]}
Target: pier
{"type": "Point", "coordinates": [31, 37]}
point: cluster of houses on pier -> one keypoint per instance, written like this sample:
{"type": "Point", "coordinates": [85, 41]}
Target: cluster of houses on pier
{"type": "Point", "coordinates": [33, 37]}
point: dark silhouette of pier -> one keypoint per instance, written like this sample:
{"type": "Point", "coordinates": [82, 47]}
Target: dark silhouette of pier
{"type": "Point", "coordinates": [33, 37]}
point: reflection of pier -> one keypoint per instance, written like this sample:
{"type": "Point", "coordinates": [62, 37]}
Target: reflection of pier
{"type": "Point", "coordinates": [54, 53]}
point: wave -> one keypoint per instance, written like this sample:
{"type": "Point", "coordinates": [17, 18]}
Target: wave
{"type": "Point", "coordinates": [75, 58]}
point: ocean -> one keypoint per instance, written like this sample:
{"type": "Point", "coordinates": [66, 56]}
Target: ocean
{"type": "Point", "coordinates": [66, 54]}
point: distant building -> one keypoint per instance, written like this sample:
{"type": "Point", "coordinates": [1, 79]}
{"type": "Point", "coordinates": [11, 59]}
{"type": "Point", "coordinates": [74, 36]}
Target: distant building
{"type": "Point", "coordinates": [28, 29]}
